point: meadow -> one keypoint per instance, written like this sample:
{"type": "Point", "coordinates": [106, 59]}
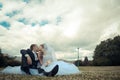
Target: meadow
{"type": "Point", "coordinates": [87, 73]}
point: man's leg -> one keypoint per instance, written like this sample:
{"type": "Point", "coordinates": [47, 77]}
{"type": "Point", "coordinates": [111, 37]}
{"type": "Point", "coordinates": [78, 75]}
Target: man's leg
{"type": "Point", "coordinates": [26, 70]}
{"type": "Point", "coordinates": [25, 65]}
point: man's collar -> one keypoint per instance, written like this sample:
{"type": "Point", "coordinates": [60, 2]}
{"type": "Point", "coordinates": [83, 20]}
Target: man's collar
{"type": "Point", "coordinates": [33, 51]}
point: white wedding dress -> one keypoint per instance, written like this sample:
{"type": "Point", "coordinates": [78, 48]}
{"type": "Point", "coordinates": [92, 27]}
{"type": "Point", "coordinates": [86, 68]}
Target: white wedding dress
{"type": "Point", "coordinates": [64, 67]}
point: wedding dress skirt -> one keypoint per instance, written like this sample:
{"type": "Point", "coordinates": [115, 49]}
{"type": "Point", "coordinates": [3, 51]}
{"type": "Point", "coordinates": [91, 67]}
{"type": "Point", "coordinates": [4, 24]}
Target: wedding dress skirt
{"type": "Point", "coordinates": [64, 69]}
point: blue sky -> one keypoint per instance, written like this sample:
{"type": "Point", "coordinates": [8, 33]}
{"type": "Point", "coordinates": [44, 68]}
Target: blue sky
{"type": "Point", "coordinates": [5, 24]}
{"type": "Point", "coordinates": [13, 13]}
{"type": "Point", "coordinates": [62, 24]}
{"type": "Point", "coordinates": [1, 5]}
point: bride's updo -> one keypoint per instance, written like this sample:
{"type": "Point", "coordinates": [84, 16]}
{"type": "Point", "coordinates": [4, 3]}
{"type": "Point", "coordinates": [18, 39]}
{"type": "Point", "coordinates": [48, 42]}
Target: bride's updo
{"type": "Point", "coordinates": [44, 46]}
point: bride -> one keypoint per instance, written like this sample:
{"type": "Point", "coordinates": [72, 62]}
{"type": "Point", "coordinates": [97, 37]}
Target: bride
{"type": "Point", "coordinates": [47, 58]}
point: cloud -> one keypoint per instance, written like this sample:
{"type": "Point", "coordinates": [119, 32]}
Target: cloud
{"type": "Point", "coordinates": [65, 25]}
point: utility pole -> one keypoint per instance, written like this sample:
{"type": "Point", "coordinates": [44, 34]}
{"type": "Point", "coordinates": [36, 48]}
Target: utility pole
{"type": "Point", "coordinates": [78, 56]}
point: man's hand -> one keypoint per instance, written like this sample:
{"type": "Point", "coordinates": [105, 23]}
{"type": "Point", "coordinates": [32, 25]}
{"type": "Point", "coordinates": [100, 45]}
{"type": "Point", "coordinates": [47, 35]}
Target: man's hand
{"type": "Point", "coordinates": [29, 60]}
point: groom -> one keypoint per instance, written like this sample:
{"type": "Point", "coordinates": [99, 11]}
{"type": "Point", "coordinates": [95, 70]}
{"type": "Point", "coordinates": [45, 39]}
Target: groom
{"type": "Point", "coordinates": [30, 60]}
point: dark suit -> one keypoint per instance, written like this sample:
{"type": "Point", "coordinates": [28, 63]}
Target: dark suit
{"type": "Point", "coordinates": [25, 66]}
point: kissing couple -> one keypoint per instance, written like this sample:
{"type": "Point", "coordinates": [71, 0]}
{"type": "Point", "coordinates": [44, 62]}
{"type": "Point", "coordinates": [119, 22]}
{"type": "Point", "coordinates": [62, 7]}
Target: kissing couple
{"type": "Point", "coordinates": [41, 60]}
{"type": "Point", "coordinates": [33, 58]}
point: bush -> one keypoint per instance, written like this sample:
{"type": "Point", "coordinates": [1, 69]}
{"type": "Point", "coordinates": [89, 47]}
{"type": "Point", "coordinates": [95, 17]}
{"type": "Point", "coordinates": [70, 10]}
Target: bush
{"type": "Point", "coordinates": [3, 61]}
{"type": "Point", "coordinates": [102, 62]}
{"type": "Point", "coordinates": [13, 63]}
{"type": "Point", "coordinates": [78, 63]}
{"type": "Point", "coordinates": [7, 61]}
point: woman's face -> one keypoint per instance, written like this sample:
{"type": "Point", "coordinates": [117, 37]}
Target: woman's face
{"type": "Point", "coordinates": [41, 48]}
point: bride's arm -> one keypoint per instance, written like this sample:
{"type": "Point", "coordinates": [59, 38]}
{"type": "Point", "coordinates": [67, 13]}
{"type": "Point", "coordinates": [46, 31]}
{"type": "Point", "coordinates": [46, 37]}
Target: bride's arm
{"type": "Point", "coordinates": [41, 61]}
{"type": "Point", "coordinates": [40, 58]}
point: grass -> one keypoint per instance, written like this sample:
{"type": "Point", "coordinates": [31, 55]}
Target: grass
{"type": "Point", "coordinates": [88, 73]}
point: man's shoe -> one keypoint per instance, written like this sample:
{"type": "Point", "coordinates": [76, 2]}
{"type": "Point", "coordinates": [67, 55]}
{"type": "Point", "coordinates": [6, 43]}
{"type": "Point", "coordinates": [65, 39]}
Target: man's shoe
{"type": "Point", "coordinates": [26, 70]}
{"type": "Point", "coordinates": [28, 73]}
{"type": "Point", "coordinates": [53, 72]}
{"type": "Point", "coordinates": [40, 70]}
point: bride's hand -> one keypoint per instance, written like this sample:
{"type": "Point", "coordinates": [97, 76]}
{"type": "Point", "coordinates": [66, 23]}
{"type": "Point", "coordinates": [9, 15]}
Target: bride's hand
{"type": "Point", "coordinates": [47, 63]}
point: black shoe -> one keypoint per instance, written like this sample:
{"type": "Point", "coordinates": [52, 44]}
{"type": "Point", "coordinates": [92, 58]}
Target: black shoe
{"type": "Point", "coordinates": [26, 70]}
{"type": "Point", "coordinates": [28, 73]}
{"type": "Point", "coordinates": [53, 72]}
{"type": "Point", "coordinates": [40, 70]}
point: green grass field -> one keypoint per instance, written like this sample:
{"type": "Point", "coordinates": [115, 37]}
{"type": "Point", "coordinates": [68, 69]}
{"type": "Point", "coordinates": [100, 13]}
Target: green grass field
{"type": "Point", "coordinates": [87, 73]}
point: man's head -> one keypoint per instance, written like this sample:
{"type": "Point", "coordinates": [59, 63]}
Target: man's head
{"type": "Point", "coordinates": [34, 47]}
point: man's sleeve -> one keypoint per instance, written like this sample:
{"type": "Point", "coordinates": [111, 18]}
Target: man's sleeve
{"type": "Point", "coordinates": [24, 52]}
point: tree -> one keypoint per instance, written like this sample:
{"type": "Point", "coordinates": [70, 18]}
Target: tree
{"type": "Point", "coordinates": [0, 51]}
{"type": "Point", "coordinates": [3, 61]}
{"type": "Point", "coordinates": [86, 62]}
{"type": "Point", "coordinates": [107, 52]}
{"type": "Point", "coordinates": [78, 63]}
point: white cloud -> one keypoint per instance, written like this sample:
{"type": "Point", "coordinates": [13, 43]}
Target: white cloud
{"type": "Point", "coordinates": [83, 24]}
{"type": "Point", "coordinates": [111, 31]}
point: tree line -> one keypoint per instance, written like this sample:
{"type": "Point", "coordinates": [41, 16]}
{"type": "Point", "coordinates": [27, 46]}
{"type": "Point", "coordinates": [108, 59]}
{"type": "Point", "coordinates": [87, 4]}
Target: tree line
{"type": "Point", "coordinates": [107, 53]}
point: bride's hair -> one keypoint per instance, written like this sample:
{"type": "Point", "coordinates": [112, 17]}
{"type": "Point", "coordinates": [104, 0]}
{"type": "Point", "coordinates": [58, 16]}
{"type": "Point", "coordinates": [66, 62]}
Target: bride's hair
{"type": "Point", "coordinates": [48, 52]}
{"type": "Point", "coordinates": [42, 45]}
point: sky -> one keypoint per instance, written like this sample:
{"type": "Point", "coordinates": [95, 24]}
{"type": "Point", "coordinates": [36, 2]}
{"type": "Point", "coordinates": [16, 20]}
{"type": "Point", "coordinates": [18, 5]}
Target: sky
{"type": "Point", "coordinates": [64, 24]}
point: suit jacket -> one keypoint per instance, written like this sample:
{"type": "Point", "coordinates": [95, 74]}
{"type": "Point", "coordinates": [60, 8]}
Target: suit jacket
{"type": "Point", "coordinates": [31, 54]}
